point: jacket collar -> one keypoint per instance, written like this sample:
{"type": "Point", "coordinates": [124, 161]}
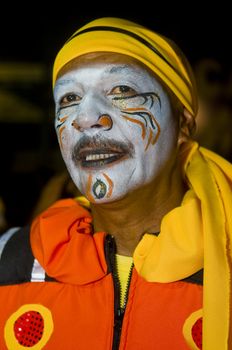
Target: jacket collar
{"type": "Point", "coordinates": [64, 244]}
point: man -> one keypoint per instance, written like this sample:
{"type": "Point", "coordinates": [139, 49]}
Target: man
{"type": "Point", "coordinates": [122, 267]}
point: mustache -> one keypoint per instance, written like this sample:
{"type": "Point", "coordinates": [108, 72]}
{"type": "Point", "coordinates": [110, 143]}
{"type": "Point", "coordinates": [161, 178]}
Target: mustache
{"type": "Point", "coordinates": [97, 145]}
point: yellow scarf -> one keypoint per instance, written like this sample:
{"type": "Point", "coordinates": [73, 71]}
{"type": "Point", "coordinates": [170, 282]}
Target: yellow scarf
{"type": "Point", "coordinates": [198, 234]}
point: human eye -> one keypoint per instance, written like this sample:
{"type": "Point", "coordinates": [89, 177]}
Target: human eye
{"type": "Point", "coordinates": [69, 99]}
{"type": "Point", "coordinates": [122, 91]}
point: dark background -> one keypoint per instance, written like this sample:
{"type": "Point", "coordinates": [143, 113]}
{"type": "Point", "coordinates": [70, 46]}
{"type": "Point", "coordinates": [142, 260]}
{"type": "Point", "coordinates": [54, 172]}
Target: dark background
{"type": "Point", "coordinates": [33, 34]}
{"type": "Point", "coordinates": [33, 31]}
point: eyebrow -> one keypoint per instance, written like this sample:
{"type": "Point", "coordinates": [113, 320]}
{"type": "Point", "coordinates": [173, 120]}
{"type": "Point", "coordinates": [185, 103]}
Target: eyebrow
{"type": "Point", "coordinates": [115, 69]}
{"type": "Point", "coordinates": [64, 81]}
{"type": "Point", "coordinates": [60, 83]}
{"type": "Point", "coordinates": [119, 69]}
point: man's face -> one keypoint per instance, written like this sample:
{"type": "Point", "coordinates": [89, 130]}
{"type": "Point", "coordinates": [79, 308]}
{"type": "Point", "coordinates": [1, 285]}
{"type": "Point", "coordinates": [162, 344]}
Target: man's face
{"type": "Point", "coordinates": [115, 126]}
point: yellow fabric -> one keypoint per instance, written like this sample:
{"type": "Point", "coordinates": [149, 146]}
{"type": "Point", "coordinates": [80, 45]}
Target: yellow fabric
{"type": "Point", "coordinates": [203, 220]}
{"type": "Point", "coordinates": [211, 178]}
{"type": "Point", "coordinates": [165, 60]}
{"type": "Point", "coordinates": [124, 264]}
{"type": "Point", "coordinates": [177, 252]}
{"type": "Point", "coordinates": [83, 201]}
{"type": "Point", "coordinates": [198, 234]}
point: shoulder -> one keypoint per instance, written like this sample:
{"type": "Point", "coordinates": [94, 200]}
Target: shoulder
{"type": "Point", "coordinates": [17, 263]}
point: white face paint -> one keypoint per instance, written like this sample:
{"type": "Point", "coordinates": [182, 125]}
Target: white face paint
{"type": "Point", "coordinates": [115, 127]}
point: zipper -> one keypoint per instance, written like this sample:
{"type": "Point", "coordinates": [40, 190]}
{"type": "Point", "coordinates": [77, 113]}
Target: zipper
{"type": "Point", "coordinates": [128, 287]}
{"type": "Point", "coordinates": [110, 250]}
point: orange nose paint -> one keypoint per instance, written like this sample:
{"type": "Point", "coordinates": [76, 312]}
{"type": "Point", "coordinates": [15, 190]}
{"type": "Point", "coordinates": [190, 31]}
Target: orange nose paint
{"type": "Point", "coordinates": [105, 121]}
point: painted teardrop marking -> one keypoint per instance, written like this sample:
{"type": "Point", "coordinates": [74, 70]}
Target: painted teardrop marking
{"type": "Point", "coordinates": [99, 189]}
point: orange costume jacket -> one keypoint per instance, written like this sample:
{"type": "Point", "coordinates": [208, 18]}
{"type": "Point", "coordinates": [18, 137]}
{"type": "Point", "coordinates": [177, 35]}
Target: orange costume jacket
{"type": "Point", "coordinates": [60, 290]}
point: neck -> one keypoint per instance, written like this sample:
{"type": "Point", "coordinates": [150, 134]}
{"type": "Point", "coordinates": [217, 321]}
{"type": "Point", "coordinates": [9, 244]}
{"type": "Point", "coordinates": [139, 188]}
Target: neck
{"type": "Point", "coordinates": [129, 218]}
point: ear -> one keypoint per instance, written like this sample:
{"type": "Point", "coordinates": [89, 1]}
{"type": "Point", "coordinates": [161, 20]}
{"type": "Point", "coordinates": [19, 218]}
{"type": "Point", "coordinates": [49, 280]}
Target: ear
{"type": "Point", "coordinates": [187, 126]}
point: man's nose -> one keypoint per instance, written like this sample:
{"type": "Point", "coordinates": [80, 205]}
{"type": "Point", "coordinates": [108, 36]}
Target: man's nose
{"type": "Point", "coordinates": [102, 121]}
{"type": "Point", "coordinates": [93, 113]}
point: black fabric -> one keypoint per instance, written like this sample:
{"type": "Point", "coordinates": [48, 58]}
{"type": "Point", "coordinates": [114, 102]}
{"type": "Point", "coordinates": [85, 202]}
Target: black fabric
{"type": "Point", "coordinates": [49, 279]}
{"type": "Point", "coordinates": [17, 260]}
{"type": "Point", "coordinates": [196, 278]}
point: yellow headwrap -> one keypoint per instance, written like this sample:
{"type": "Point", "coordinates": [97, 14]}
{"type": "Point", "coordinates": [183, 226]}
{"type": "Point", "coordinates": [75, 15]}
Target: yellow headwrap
{"type": "Point", "coordinates": [121, 36]}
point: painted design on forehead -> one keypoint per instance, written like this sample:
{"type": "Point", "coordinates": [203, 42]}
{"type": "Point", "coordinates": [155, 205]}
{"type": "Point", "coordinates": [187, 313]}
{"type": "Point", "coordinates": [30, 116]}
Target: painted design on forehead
{"type": "Point", "coordinates": [60, 128]}
{"type": "Point", "coordinates": [99, 189]}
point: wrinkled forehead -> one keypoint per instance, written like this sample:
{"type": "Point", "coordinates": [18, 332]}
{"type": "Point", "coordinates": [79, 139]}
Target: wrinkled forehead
{"type": "Point", "coordinates": [107, 58]}
{"type": "Point", "coordinates": [118, 64]}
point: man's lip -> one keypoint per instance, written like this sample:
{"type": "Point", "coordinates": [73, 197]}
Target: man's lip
{"type": "Point", "coordinates": [99, 151]}
{"type": "Point", "coordinates": [98, 158]}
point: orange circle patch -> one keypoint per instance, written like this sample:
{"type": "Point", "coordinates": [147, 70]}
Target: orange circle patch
{"type": "Point", "coordinates": [192, 330]}
{"type": "Point", "coordinates": [29, 327]}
